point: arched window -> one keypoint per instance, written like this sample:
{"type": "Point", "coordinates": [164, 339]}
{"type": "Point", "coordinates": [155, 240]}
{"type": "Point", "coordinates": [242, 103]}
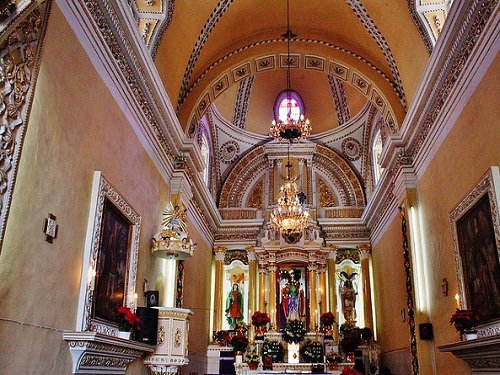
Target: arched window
{"type": "Point", "coordinates": [205, 153]}
{"type": "Point", "coordinates": [376, 154]}
{"type": "Point", "coordinates": [288, 100]}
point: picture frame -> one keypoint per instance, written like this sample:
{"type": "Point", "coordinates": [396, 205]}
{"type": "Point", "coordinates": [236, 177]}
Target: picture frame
{"type": "Point", "coordinates": [109, 269]}
{"type": "Point", "coordinates": [475, 225]}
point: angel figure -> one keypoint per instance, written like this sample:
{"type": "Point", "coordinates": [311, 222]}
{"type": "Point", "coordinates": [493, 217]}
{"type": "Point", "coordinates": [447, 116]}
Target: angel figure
{"type": "Point", "coordinates": [348, 297]}
{"type": "Point", "coordinates": [174, 218]}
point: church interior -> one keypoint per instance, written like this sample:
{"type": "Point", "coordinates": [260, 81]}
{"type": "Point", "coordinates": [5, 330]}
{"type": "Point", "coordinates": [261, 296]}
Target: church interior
{"type": "Point", "coordinates": [249, 187]}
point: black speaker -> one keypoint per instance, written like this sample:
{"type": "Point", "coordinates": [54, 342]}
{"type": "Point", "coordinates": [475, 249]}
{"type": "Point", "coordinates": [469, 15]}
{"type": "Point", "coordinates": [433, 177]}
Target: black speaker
{"type": "Point", "coordinates": [152, 298]}
{"type": "Point", "coordinates": [425, 330]}
{"type": "Point", "coordinates": [149, 325]}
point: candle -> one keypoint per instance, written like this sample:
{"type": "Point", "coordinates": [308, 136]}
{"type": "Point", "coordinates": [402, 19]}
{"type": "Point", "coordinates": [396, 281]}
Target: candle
{"type": "Point", "coordinates": [135, 301]}
{"type": "Point", "coordinates": [457, 298]}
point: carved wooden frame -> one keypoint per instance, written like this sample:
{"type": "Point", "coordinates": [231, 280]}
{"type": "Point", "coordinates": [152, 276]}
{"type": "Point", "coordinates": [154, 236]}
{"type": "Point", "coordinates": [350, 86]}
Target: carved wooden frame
{"type": "Point", "coordinates": [488, 184]}
{"type": "Point", "coordinates": [101, 191]}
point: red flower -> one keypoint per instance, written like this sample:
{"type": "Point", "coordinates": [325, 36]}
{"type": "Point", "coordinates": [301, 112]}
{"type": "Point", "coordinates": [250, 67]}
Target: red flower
{"type": "Point", "coordinates": [465, 319]}
{"type": "Point", "coordinates": [349, 371]}
{"type": "Point", "coordinates": [327, 319]}
{"type": "Point", "coordinates": [260, 319]}
{"type": "Point", "coordinates": [127, 320]}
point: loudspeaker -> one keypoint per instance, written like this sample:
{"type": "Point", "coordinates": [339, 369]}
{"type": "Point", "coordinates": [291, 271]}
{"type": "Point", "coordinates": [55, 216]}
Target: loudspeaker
{"type": "Point", "coordinates": [149, 325]}
{"type": "Point", "coordinates": [425, 330]}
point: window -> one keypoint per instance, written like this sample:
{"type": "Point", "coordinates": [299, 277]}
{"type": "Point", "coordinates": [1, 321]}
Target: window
{"type": "Point", "coordinates": [288, 100]}
{"type": "Point", "coordinates": [376, 154]}
{"type": "Point", "coordinates": [205, 153]}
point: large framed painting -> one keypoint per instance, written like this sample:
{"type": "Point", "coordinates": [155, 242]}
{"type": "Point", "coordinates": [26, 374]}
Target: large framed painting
{"type": "Point", "coordinates": [476, 234]}
{"type": "Point", "coordinates": [110, 259]}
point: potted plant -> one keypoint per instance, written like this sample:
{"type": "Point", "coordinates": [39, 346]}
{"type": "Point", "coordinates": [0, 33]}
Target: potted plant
{"type": "Point", "coordinates": [465, 322]}
{"type": "Point", "coordinates": [327, 320]}
{"type": "Point", "coordinates": [128, 321]}
{"type": "Point", "coordinates": [260, 320]}
{"type": "Point", "coordinates": [333, 359]}
{"type": "Point", "coordinates": [272, 351]}
{"type": "Point", "coordinates": [239, 343]}
{"type": "Point", "coordinates": [349, 371]}
{"type": "Point", "coordinates": [222, 337]}
{"type": "Point", "coordinates": [294, 331]}
{"type": "Point", "coordinates": [252, 358]}
{"type": "Point", "coordinates": [313, 352]}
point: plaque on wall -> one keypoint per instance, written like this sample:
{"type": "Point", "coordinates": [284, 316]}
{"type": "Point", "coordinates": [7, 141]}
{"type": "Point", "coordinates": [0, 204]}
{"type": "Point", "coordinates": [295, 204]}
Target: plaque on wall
{"type": "Point", "coordinates": [152, 297]}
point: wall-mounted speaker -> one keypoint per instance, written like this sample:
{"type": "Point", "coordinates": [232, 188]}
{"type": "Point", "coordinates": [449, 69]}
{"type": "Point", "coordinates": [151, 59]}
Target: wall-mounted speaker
{"type": "Point", "coordinates": [149, 325]}
{"type": "Point", "coordinates": [425, 330]}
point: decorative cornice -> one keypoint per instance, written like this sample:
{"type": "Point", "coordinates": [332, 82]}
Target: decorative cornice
{"type": "Point", "coordinates": [375, 33]}
{"type": "Point", "coordinates": [242, 100]}
{"type": "Point", "coordinates": [420, 26]}
{"type": "Point", "coordinates": [20, 56]}
{"type": "Point", "coordinates": [340, 100]}
{"type": "Point", "coordinates": [221, 7]}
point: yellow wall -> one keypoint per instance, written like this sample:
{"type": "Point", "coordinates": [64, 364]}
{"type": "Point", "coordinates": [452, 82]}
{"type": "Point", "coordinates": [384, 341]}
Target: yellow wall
{"type": "Point", "coordinates": [470, 149]}
{"type": "Point", "coordinates": [75, 128]}
{"type": "Point", "coordinates": [390, 297]}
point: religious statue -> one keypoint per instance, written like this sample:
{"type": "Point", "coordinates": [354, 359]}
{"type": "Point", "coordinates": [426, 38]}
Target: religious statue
{"type": "Point", "coordinates": [174, 219]}
{"type": "Point", "coordinates": [292, 297]}
{"type": "Point", "coordinates": [234, 306]}
{"type": "Point", "coordinates": [348, 298]}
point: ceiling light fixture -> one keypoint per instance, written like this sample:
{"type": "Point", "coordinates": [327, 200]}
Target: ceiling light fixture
{"type": "Point", "coordinates": [293, 127]}
{"type": "Point", "coordinates": [291, 216]}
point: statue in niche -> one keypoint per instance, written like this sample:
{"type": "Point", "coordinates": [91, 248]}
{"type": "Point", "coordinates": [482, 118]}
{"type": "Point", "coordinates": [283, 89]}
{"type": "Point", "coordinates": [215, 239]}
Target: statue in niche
{"type": "Point", "coordinates": [234, 306]}
{"type": "Point", "coordinates": [292, 295]}
{"type": "Point", "coordinates": [348, 298]}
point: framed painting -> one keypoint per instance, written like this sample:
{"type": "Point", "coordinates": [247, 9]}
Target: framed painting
{"type": "Point", "coordinates": [476, 236]}
{"type": "Point", "coordinates": [110, 259]}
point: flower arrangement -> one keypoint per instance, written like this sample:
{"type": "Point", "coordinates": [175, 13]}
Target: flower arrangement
{"type": "Point", "coordinates": [273, 349]}
{"type": "Point", "coordinates": [327, 319]}
{"type": "Point", "coordinates": [312, 351]}
{"type": "Point", "coordinates": [241, 328]}
{"type": "Point", "coordinates": [239, 343]}
{"type": "Point", "coordinates": [333, 357]}
{"type": "Point", "coordinates": [349, 371]}
{"type": "Point", "coordinates": [127, 320]}
{"type": "Point", "coordinates": [294, 331]}
{"type": "Point", "coordinates": [251, 355]}
{"type": "Point", "coordinates": [465, 320]}
{"type": "Point", "coordinates": [222, 337]}
{"type": "Point", "coordinates": [260, 319]}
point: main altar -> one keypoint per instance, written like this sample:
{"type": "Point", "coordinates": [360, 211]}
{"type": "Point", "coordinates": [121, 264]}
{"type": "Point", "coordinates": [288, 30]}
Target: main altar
{"type": "Point", "coordinates": [292, 305]}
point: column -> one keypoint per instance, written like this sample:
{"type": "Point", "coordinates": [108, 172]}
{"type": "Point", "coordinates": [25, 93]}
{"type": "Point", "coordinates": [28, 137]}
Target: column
{"type": "Point", "coordinates": [322, 287]}
{"type": "Point", "coordinates": [332, 286]}
{"type": "Point", "coordinates": [252, 276]}
{"type": "Point", "coordinates": [364, 255]}
{"type": "Point", "coordinates": [272, 288]}
{"type": "Point", "coordinates": [262, 288]}
{"type": "Point", "coordinates": [279, 166]}
{"type": "Point", "coordinates": [270, 183]}
{"type": "Point", "coordinates": [301, 175]}
{"type": "Point", "coordinates": [312, 268]}
{"type": "Point", "coordinates": [219, 284]}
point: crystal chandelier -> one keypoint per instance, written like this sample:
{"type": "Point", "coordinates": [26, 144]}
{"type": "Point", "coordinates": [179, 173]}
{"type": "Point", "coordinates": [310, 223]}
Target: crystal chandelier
{"type": "Point", "coordinates": [290, 217]}
{"type": "Point", "coordinates": [290, 129]}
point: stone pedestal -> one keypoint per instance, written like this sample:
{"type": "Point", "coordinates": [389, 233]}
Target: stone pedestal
{"type": "Point", "coordinates": [171, 349]}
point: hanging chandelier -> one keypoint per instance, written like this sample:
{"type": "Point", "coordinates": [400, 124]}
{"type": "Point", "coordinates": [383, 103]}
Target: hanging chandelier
{"type": "Point", "coordinates": [291, 128]}
{"type": "Point", "coordinates": [290, 217]}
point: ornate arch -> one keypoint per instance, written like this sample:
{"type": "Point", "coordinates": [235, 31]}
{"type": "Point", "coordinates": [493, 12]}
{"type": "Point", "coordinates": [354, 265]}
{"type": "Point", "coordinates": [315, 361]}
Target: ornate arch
{"type": "Point", "coordinates": [239, 179]}
{"type": "Point", "coordinates": [323, 64]}
{"type": "Point", "coordinates": [341, 174]}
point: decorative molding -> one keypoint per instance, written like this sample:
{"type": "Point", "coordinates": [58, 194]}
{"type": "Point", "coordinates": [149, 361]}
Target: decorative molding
{"type": "Point", "coordinates": [336, 69]}
{"type": "Point", "coordinates": [221, 7]}
{"type": "Point", "coordinates": [375, 33]}
{"type": "Point", "coordinates": [352, 149]}
{"type": "Point", "coordinates": [426, 38]}
{"type": "Point", "coordinates": [340, 100]}
{"type": "Point", "coordinates": [242, 100]}
{"type": "Point", "coordinates": [102, 190]}
{"type": "Point", "coordinates": [96, 353]}
{"type": "Point", "coordinates": [20, 56]}
{"type": "Point", "coordinates": [482, 355]}
{"type": "Point", "coordinates": [236, 255]}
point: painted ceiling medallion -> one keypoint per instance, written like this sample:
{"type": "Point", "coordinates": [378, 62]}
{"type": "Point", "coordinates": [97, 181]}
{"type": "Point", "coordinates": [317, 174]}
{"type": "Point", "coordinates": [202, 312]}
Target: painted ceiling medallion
{"type": "Point", "coordinates": [229, 152]}
{"type": "Point", "coordinates": [351, 148]}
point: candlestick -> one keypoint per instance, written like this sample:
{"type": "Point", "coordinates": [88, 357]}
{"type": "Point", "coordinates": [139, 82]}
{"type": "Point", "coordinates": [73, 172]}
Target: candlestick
{"type": "Point", "coordinates": [457, 298]}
